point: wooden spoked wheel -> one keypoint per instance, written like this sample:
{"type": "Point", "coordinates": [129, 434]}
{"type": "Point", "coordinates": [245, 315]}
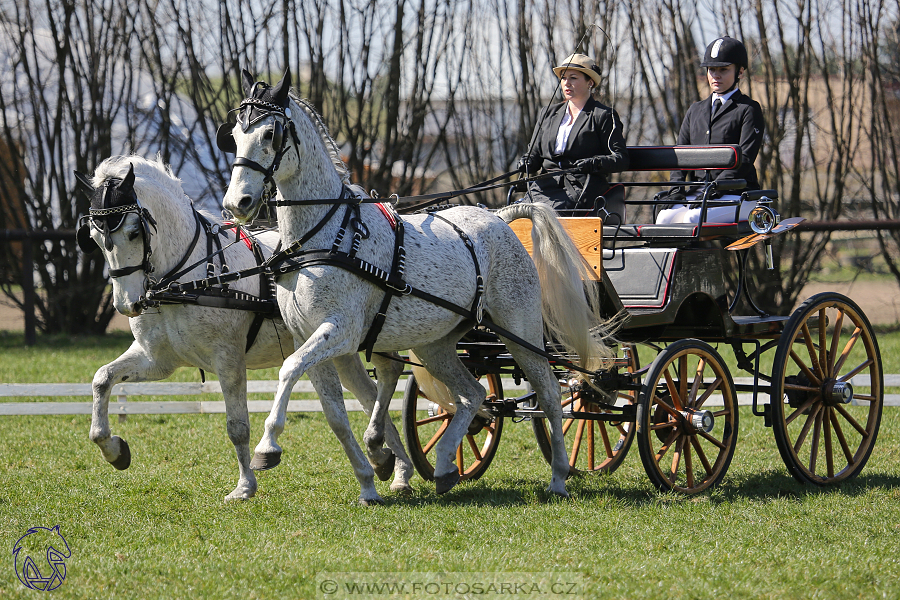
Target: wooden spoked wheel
{"type": "Point", "coordinates": [593, 446]}
{"type": "Point", "coordinates": [423, 429]}
{"type": "Point", "coordinates": [687, 418]}
{"type": "Point", "coordinates": [827, 390]}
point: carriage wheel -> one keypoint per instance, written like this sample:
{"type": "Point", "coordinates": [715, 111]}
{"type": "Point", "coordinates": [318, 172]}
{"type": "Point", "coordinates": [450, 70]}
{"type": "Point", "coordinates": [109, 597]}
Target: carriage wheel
{"type": "Point", "coordinates": [827, 390]}
{"type": "Point", "coordinates": [593, 446]}
{"type": "Point", "coordinates": [687, 418]}
{"type": "Point", "coordinates": [424, 428]}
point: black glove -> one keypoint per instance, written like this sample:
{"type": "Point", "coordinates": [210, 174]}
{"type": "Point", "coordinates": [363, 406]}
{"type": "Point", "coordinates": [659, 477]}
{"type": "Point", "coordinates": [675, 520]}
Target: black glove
{"type": "Point", "coordinates": [672, 196]}
{"type": "Point", "coordinates": [528, 164]}
{"type": "Point", "coordinates": [586, 165]}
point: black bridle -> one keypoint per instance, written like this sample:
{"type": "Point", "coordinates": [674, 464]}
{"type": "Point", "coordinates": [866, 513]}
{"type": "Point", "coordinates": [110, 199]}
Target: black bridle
{"type": "Point", "coordinates": [115, 200]}
{"type": "Point", "coordinates": [251, 111]}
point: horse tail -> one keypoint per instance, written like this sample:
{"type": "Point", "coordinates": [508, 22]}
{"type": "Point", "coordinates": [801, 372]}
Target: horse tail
{"type": "Point", "coordinates": [570, 296]}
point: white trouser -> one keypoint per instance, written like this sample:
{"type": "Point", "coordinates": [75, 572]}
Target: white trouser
{"type": "Point", "coordinates": [681, 213]}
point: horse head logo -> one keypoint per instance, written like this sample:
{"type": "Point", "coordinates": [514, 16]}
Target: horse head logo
{"type": "Point", "coordinates": [40, 558]}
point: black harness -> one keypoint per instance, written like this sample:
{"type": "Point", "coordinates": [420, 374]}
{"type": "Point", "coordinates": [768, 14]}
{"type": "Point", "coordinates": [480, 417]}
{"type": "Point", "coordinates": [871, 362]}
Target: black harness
{"type": "Point", "coordinates": [294, 258]}
{"type": "Point", "coordinates": [115, 199]}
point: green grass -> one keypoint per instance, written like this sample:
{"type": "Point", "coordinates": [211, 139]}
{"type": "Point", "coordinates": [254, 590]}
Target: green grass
{"type": "Point", "coordinates": [161, 530]}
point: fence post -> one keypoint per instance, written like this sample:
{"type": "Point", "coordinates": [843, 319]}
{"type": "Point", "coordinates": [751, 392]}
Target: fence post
{"type": "Point", "coordinates": [28, 289]}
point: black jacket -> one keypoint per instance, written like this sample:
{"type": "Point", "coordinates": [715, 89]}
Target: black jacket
{"type": "Point", "coordinates": [739, 121]}
{"type": "Point", "coordinates": [597, 132]}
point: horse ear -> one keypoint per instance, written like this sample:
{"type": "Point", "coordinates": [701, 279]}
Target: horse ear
{"type": "Point", "coordinates": [127, 184]}
{"type": "Point", "coordinates": [84, 180]}
{"type": "Point", "coordinates": [225, 139]}
{"type": "Point", "coordinates": [281, 89]}
{"type": "Point", "coordinates": [248, 81]}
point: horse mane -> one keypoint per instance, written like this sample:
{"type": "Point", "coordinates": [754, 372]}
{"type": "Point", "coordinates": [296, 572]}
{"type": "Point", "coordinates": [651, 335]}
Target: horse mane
{"type": "Point", "coordinates": [330, 145]}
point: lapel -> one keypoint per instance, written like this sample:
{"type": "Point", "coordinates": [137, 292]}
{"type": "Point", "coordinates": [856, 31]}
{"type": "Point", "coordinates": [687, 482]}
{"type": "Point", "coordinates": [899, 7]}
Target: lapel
{"type": "Point", "coordinates": [580, 120]}
{"type": "Point", "coordinates": [725, 105]}
{"type": "Point", "coordinates": [555, 121]}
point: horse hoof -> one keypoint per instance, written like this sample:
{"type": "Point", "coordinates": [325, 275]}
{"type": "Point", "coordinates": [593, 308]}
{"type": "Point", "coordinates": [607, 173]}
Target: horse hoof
{"type": "Point", "coordinates": [385, 470]}
{"type": "Point", "coordinates": [263, 461]}
{"type": "Point", "coordinates": [445, 483]}
{"type": "Point", "coordinates": [376, 501]}
{"type": "Point", "coordinates": [559, 494]}
{"type": "Point", "coordinates": [124, 460]}
{"type": "Point", "coordinates": [402, 489]}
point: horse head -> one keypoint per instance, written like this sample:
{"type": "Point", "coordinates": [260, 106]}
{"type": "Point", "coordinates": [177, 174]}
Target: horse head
{"type": "Point", "coordinates": [260, 139]}
{"type": "Point", "coordinates": [119, 226]}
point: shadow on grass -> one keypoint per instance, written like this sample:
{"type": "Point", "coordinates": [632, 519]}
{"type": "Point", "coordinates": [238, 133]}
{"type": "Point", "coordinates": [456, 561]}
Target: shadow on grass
{"type": "Point", "coordinates": [759, 487]}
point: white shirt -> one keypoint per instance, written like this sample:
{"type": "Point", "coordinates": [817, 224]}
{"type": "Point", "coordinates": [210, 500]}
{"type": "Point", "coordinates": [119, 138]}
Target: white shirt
{"type": "Point", "coordinates": [723, 97]}
{"type": "Point", "coordinates": [565, 128]}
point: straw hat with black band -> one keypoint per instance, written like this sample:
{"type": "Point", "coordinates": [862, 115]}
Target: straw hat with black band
{"type": "Point", "coordinates": [581, 63]}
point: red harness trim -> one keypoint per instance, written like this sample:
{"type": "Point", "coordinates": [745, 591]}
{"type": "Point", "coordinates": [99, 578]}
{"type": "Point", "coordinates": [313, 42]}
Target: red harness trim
{"type": "Point", "coordinates": [244, 237]}
{"type": "Point", "coordinates": [388, 214]}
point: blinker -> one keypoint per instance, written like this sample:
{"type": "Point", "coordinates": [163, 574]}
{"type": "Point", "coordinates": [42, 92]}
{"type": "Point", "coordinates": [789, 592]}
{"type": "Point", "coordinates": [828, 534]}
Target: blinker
{"type": "Point", "coordinates": [225, 139]}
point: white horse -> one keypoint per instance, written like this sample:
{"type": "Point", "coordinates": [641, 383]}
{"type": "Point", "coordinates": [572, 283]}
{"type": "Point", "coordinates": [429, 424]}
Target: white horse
{"type": "Point", "coordinates": [144, 223]}
{"type": "Point", "coordinates": [280, 141]}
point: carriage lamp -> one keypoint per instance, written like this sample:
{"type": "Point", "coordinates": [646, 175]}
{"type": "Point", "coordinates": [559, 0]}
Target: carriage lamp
{"type": "Point", "coordinates": [763, 217]}
{"type": "Point", "coordinates": [763, 220]}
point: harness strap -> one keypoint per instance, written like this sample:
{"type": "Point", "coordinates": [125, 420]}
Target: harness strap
{"type": "Point", "coordinates": [379, 277]}
{"type": "Point", "coordinates": [478, 303]}
{"type": "Point", "coordinates": [198, 220]}
{"type": "Point", "coordinates": [266, 293]}
{"type": "Point", "coordinates": [398, 266]}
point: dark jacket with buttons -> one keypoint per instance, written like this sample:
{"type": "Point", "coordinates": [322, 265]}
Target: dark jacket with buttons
{"type": "Point", "coordinates": [597, 133]}
{"type": "Point", "coordinates": [739, 121]}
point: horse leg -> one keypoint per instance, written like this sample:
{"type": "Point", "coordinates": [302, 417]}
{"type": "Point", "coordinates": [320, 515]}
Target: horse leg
{"type": "Point", "coordinates": [325, 379]}
{"type": "Point", "coordinates": [233, 378]}
{"type": "Point", "coordinates": [442, 361]}
{"type": "Point", "coordinates": [135, 364]}
{"type": "Point", "coordinates": [382, 459]}
{"type": "Point", "coordinates": [546, 386]}
{"type": "Point", "coordinates": [355, 379]}
{"type": "Point", "coordinates": [315, 358]}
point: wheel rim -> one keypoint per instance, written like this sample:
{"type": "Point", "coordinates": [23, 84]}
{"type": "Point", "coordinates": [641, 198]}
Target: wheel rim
{"type": "Point", "coordinates": [592, 446]}
{"type": "Point", "coordinates": [424, 431]}
{"type": "Point", "coordinates": [821, 438]}
{"type": "Point", "coordinates": [685, 380]}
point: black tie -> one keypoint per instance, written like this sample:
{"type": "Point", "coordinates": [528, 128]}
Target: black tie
{"type": "Point", "coordinates": [716, 106]}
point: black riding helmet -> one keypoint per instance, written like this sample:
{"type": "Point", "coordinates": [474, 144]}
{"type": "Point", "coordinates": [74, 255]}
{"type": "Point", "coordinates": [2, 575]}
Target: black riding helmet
{"type": "Point", "coordinates": [725, 51]}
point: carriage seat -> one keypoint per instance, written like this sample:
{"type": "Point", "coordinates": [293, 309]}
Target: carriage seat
{"type": "Point", "coordinates": [685, 158]}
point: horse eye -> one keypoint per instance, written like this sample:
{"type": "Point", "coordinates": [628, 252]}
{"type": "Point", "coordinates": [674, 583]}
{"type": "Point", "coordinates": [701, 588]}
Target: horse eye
{"type": "Point", "coordinates": [269, 134]}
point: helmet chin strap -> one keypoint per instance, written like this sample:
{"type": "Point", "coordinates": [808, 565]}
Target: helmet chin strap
{"type": "Point", "coordinates": [737, 80]}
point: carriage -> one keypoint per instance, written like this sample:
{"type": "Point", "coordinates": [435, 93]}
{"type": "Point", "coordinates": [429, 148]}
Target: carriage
{"type": "Point", "coordinates": [457, 288]}
{"type": "Point", "coordinates": [670, 388]}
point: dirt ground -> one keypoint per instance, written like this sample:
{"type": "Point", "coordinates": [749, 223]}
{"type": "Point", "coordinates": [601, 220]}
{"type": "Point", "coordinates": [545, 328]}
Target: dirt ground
{"type": "Point", "coordinates": [880, 300]}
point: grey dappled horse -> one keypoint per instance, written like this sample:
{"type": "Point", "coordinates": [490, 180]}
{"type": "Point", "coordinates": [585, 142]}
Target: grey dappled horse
{"type": "Point", "coordinates": [144, 223]}
{"type": "Point", "coordinates": [466, 256]}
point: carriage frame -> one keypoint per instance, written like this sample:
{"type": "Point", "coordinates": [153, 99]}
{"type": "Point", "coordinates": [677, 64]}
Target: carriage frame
{"type": "Point", "coordinates": [682, 406]}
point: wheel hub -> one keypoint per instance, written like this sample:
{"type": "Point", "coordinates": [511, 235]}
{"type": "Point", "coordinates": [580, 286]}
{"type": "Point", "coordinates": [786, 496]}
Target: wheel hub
{"type": "Point", "coordinates": [700, 420]}
{"type": "Point", "coordinates": [837, 392]}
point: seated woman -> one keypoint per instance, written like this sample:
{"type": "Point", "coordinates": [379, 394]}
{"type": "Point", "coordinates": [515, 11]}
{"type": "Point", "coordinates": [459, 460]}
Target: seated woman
{"type": "Point", "coordinates": [726, 117]}
{"type": "Point", "coordinates": [581, 134]}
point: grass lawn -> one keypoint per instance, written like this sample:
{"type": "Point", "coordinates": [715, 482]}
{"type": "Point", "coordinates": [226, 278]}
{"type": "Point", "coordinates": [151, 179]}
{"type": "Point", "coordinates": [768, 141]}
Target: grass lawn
{"type": "Point", "coordinates": [161, 530]}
